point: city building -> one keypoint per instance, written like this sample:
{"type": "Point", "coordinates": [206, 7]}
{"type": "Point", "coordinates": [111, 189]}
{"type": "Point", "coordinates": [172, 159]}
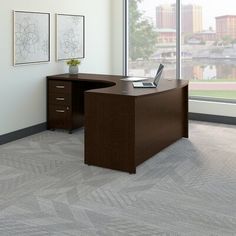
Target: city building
{"type": "Point", "coordinates": [191, 18]}
{"type": "Point", "coordinates": [165, 16]}
{"type": "Point", "coordinates": [226, 26]}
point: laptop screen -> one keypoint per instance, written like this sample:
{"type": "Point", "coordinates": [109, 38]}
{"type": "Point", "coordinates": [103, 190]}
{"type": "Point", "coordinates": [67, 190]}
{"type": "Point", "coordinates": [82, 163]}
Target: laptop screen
{"type": "Point", "coordinates": [158, 74]}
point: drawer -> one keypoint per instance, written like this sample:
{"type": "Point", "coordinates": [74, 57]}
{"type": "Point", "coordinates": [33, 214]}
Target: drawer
{"type": "Point", "coordinates": [59, 99]}
{"type": "Point", "coordinates": [60, 87]}
{"type": "Point", "coordinates": [59, 116]}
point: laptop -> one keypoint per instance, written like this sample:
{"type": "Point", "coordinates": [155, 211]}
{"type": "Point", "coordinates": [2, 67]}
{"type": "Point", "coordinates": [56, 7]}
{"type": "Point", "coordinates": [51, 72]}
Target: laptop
{"type": "Point", "coordinates": [150, 84]}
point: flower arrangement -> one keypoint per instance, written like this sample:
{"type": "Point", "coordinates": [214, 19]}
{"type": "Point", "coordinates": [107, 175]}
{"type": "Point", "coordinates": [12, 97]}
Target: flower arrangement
{"type": "Point", "coordinates": [73, 62]}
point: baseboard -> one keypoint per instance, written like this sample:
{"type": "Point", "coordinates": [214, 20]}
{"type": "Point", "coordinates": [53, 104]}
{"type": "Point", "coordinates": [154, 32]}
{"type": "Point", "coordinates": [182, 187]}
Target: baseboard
{"type": "Point", "coordinates": [212, 118]}
{"type": "Point", "coordinates": [43, 126]}
{"type": "Point", "coordinates": [22, 133]}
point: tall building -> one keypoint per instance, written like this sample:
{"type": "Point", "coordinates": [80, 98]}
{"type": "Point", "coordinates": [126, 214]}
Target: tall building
{"type": "Point", "coordinates": [165, 16]}
{"type": "Point", "coordinates": [191, 18]}
{"type": "Point", "coordinates": [226, 26]}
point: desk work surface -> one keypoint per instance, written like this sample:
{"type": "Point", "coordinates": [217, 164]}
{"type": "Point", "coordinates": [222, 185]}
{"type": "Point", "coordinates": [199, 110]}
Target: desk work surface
{"type": "Point", "coordinates": [124, 126]}
{"type": "Point", "coordinates": [114, 84]}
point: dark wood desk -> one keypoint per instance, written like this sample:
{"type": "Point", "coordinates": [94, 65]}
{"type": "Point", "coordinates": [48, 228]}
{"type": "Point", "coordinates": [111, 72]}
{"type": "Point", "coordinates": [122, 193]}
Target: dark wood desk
{"type": "Point", "coordinates": [124, 126]}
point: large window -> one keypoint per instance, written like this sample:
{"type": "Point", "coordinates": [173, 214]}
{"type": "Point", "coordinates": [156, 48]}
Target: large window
{"type": "Point", "coordinates": [152, 37]}
{"type": "Point", "coordinates": [207, 38]}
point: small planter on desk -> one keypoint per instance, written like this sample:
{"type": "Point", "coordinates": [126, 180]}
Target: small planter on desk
{"type": "Point", "coordinates": [73, 66]}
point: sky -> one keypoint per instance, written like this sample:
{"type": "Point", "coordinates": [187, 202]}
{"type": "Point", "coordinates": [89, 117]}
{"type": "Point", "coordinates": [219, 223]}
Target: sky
{"type": "Point", "coordinates": [210, 9]}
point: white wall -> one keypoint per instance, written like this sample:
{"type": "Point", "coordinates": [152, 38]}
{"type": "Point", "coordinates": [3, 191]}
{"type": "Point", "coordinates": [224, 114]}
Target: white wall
{"type": "Point", "coordinates": [23, 88]}
{"type": "Point", "coordinates": [213, 108]}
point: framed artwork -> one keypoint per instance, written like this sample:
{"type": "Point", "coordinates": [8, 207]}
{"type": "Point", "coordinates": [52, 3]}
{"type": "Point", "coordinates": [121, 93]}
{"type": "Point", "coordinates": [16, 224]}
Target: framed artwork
{"type": "Point", "coordinates": [31, 37]}
{"type": "Point", "coordinates": [70, 36]}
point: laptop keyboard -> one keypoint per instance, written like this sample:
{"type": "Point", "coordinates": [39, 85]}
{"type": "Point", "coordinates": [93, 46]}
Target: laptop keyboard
{"type": "Point", "coordinates": [147, 84]}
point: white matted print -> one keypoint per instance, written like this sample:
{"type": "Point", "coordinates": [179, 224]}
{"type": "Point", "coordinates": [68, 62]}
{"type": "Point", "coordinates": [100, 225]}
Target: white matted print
{"type": "Point", "coordinates": [70, 36]}
{"type": "Point", "coordinates": [31, 37]}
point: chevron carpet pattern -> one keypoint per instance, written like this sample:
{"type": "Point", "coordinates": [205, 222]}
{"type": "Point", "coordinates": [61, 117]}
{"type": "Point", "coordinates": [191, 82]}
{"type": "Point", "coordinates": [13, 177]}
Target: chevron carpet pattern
{"type": "Point", "coordinates": [187, 189]}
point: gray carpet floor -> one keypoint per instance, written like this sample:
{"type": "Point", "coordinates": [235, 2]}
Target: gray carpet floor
{"type": "Point", "coordinates": [187, 189]}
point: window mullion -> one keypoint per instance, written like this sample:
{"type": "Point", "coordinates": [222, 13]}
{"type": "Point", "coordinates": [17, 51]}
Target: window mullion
{"type": "Point", "coordinates": [178, 39]}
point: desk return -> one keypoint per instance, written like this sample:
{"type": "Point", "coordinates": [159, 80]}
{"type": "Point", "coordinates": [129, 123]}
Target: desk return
{"type": "Point", "coordinates": [123, 126]}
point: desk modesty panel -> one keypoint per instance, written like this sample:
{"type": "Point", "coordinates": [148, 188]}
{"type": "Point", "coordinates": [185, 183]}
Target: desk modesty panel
{"type": "Point", "coordinates": [124, 126]}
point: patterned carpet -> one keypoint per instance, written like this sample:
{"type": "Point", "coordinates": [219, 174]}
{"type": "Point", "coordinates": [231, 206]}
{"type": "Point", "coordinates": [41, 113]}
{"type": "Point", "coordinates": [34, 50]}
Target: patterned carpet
{"type": "Point", "coordinates": [187, 189]}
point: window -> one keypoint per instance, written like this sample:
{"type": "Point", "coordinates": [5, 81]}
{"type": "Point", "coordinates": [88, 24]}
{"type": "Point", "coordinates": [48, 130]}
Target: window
{"type": "Point", "coordinates": [207, 37]}
{"type": "Point", "coordinates": [152, 38]}
{"type": "Point", "coordinates": [209, 48]}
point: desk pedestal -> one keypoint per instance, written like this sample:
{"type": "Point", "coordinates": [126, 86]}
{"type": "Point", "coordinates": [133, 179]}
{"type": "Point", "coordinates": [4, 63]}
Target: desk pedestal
{"type": "Point", "coordinates": [121, 132]}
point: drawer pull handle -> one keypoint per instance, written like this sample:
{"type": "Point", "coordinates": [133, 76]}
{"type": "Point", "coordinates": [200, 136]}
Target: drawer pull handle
{"type": "Point", "coordinates": [60, 86]}
{"type": "Point", "coordinates": [60, 99]}
{"type": "Point", "coordinates": [60, 111]}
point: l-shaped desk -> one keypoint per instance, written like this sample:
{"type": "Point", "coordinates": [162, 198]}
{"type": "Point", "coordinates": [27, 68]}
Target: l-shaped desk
{"type": "Point", "coordinates": [124, 126]}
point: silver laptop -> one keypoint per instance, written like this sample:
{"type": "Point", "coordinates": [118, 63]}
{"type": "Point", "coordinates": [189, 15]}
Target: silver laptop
{"type": "Point", "coordinates": [150, 84]}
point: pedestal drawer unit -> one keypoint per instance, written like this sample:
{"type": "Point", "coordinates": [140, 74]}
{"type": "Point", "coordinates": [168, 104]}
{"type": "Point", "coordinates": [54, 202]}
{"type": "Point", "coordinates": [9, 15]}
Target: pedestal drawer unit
{"type": "Point", "coordinates": [62, 107]}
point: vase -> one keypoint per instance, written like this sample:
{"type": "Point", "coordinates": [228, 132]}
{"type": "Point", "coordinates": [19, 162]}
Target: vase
{"type": "Point", "coordinates": [73, 70]}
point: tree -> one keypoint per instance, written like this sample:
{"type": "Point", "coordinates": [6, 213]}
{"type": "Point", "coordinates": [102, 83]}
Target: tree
{"type": "Point", "coordinates": [233, 41]}
{"type": "Point", "coordinates": [142, 36]}
{"type": "Point", "coordinates": [227, 39]}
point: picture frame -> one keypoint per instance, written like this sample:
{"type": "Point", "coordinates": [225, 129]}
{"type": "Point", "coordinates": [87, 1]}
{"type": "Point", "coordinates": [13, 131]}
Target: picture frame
{"type": "Point", "coordinates": [70, 36]}
{"type": "Point", "coordinates": [31, 33]}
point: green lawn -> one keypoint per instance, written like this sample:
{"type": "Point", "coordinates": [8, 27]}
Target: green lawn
{"type": "Point", "coordinates": [214, 94]}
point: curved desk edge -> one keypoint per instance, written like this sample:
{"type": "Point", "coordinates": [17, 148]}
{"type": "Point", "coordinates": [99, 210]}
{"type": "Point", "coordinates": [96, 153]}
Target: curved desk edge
{"type": "Point", "coordinates": [114, 84]}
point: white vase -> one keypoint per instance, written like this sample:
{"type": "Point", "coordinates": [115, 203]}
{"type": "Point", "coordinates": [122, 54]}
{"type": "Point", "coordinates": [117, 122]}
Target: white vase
{"type": "Point", "coordinates": [73, 70]}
